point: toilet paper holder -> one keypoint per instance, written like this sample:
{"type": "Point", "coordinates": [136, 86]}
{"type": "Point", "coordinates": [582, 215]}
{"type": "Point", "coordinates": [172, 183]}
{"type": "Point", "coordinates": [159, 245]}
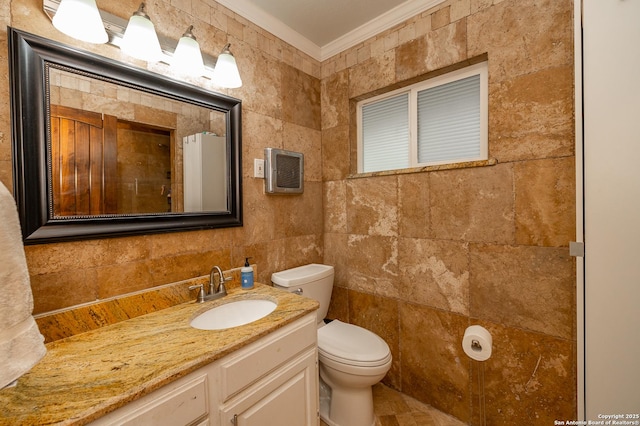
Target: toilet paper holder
{"type": "Point", "coordinates": [477, 343]}
{"type": "Point", "coordinates": [476, 346]}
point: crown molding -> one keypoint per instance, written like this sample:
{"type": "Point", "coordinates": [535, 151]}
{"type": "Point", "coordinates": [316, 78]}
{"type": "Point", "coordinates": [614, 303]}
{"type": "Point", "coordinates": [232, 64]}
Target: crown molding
{"type": "Point", "coordinates": [374, 27]}
{"type": "Point", "coordinates": [400, 13]}
{"type": "Point", "coordinates": [249, 11]}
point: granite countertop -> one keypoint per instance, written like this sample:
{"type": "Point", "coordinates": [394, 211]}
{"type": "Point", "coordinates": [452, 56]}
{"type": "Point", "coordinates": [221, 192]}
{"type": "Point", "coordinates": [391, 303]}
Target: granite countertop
{"type": "Point", "coordinates": [88, 375]}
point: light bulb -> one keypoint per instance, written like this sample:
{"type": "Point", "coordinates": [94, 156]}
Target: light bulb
{"type": "Point", "coordinates": [226, 73]}
{"type": "Point", "coordinates": [140, 39]}
{"type": "Point", "coordinates": [187, 58]}
{"type": "Point", "coordinates": [81, 20]}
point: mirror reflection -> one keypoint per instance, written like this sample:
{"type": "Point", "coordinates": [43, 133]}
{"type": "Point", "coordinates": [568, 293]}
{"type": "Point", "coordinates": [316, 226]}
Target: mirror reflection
{"type": "Point", "coordinates": [117, 150]}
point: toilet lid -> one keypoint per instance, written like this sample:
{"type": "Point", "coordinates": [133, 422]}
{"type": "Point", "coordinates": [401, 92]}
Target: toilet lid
{"type": "Point", "coordinates": [351, 344]}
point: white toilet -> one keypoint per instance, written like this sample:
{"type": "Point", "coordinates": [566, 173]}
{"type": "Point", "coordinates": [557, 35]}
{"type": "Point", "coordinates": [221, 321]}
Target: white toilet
{"type": "Point", "coordinates": [352, 359]}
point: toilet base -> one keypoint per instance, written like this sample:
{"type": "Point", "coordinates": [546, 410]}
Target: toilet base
{"type": "Point", "coordinates": [354, 408]}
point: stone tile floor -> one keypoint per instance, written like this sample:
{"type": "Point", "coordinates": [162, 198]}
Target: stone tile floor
{"type": "Point", "coordinates": [393, 408]}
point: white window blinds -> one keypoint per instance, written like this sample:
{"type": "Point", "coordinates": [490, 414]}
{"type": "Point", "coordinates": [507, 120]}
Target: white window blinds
{"type": "Point", "coordinates": [449, 121]}
{"type": "Point", "coordinates": [385, 131]}
{"type": "Point", "coordinates": [442, 120]}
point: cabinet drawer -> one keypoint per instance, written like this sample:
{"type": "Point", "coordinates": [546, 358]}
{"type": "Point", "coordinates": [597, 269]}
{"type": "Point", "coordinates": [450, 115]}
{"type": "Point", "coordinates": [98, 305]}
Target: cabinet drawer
{"type": "Point", "coordinates": [181, 403]}
{"type": "Point", "coordinates": [253, 362]}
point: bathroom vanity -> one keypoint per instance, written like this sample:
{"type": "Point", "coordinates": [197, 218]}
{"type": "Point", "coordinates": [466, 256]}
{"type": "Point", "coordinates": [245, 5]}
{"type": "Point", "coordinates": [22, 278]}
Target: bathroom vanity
{"type": "Point", "coordinates": [156, 369]}
{"type": "Point", "coordinates": [271, 381]}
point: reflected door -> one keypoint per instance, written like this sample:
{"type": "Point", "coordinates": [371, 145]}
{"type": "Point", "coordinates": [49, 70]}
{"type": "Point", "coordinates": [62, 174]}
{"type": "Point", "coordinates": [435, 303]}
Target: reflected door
{"type": "Point", "coordinates": [84, 165]}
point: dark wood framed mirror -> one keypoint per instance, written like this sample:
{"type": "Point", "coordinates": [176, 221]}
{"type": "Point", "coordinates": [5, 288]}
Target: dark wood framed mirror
{"type": "Point", "coordinates": [104, 149]}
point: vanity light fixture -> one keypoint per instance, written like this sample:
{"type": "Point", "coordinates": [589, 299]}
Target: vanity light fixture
{"type": "Point", "coordinates": [226, 73]}
{"type": "Point", "coordinates": [130, 38]}
{"type": "Point", "coordinates": [81, 20]}
{"type": "Point", "coordinates": [140, 39]}
{"type": "Point", "coordinates": [187, 58]}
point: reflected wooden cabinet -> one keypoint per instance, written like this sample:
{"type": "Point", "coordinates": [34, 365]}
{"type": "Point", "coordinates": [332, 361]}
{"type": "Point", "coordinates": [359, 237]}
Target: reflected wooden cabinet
{"type": "Point", "coordinates": [83, 162]}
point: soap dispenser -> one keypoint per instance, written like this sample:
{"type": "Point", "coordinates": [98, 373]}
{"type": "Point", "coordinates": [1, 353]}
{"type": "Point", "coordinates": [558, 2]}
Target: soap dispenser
{"type": "Point", "coordinates": [246, 275]}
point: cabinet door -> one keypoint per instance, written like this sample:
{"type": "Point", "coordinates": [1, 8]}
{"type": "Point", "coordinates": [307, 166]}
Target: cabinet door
{"type": "Point", "coordinates": [288, 396]}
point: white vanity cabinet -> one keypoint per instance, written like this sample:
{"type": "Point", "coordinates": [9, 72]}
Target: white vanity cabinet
{"type": "Point", "coordinates": [270, 382]}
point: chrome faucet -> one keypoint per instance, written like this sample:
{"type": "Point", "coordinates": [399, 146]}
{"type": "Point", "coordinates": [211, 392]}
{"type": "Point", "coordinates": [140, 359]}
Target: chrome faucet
{"type": "Point", "coordinates": [215, 291]}
{"type": "Point", "coordinates": [220, 289]}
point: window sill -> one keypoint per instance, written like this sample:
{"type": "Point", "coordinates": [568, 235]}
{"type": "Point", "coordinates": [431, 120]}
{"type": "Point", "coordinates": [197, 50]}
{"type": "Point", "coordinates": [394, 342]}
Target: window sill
{"type": "Point", "coordinates": [435, 168]}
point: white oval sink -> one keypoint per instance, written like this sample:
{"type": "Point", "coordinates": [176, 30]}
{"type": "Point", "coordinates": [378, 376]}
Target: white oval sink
{"type": "Point", "coordinates": [233, 314]}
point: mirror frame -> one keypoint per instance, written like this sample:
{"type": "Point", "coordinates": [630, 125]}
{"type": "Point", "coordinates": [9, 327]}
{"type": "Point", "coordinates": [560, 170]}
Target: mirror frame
{"type": "Point", "coordinates": [29, 56]}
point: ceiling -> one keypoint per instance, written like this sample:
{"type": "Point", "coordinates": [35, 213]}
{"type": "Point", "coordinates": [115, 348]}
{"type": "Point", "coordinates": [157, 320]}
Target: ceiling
{"type": "Point", "coordinates": [323, 28]}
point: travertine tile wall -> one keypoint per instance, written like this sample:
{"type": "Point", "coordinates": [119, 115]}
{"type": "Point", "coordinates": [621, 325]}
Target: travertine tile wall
{"type": "Point", "coordinates": [418, 257]}
{"type": "Point", "coordinates": [421, 256]}
{"type": "Point", "coordinates": [281, 108]}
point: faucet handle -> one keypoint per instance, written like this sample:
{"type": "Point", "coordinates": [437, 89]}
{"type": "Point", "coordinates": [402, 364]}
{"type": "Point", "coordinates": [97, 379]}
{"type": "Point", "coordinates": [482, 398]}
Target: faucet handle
{"type": "Point", "coordinates": [222, 288]}
{"type": "Point", "coordinates": [200, 288]}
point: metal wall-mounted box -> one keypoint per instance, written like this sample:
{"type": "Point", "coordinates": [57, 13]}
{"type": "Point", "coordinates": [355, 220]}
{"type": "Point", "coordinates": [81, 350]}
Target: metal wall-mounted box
{"type": "Point", "coordinates": [283, 171]}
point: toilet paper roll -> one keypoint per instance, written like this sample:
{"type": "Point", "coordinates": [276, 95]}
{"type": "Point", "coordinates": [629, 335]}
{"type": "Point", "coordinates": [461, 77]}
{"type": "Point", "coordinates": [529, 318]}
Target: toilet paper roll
{"type": "Point", "coordinates": [476, 343]}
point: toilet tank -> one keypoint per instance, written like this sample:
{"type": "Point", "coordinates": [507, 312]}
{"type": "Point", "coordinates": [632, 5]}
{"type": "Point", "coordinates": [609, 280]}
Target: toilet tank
{"type": "Point", "coordinates": [314, 281]}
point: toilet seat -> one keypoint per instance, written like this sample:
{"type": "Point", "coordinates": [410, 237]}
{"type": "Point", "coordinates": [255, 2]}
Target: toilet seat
{"type": "Point", "coordinates": [352, 345]}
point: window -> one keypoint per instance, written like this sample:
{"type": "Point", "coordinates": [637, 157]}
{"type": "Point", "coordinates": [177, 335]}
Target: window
{"type": "Point", "coordinates": [439, 121]}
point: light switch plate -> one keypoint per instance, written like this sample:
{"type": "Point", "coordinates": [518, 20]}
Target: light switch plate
{"type": "Point", "coordinates": [258, 168]}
